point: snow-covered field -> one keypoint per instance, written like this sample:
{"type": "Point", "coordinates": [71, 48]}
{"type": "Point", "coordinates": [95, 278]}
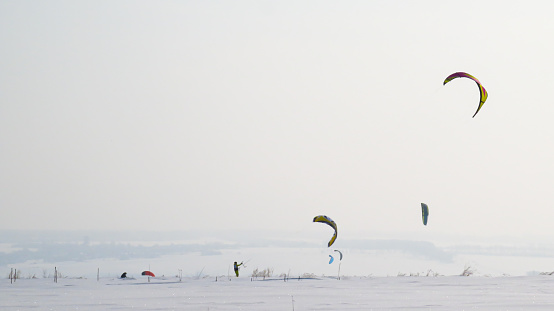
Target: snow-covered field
{"type": "Point", "coordinates": [350, 293]}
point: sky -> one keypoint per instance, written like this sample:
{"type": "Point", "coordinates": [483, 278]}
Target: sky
{"type": "Point", "coordinates": [260, 115]}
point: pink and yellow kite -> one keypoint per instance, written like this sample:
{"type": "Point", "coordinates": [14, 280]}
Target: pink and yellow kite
{"type": "Point", "coordinates": [482, 90]}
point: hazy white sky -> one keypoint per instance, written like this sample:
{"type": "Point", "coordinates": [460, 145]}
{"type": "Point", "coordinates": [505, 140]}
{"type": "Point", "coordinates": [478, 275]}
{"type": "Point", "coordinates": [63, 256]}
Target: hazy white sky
{"type": "Point", "coordinates": [213, 115]}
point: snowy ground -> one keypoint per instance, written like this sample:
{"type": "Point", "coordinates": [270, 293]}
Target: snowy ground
{"type": "Point", "coordinates": [353, 293]}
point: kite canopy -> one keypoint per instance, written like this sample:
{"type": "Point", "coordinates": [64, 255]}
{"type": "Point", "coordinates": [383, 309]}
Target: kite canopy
{"type": "Point", "coordinates": [326, 220]}
{"type": "Point", "coordinates": [331, 259]}
{"type": "Point", "coordinates": [482, 90]}
{"type": "Point", "coordinates": [148, 273]}
{"type": "Point", "coordinates": [339, 253]}
{"type": "Point", "coordinates": [424, 213]}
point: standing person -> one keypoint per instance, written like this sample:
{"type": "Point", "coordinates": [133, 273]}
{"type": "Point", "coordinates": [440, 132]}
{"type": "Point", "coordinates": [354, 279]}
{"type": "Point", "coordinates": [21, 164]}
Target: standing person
{"type": "Point", "coordinates": [236, 266]}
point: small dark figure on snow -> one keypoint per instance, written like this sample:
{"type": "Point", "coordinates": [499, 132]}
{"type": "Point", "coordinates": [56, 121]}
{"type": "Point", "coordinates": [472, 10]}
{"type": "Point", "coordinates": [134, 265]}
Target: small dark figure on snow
{"type": "Point", "coordinates": [124, 275]}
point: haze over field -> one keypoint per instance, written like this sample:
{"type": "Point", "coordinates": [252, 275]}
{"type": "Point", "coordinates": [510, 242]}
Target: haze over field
{"type": "Point", "coordinates": [84, 254]}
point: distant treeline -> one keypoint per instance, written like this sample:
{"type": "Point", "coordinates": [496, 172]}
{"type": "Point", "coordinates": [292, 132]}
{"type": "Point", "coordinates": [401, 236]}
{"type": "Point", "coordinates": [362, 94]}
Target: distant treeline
{"type": "Point", "coordinates": [55, 252]}
{"type": "Point", "coordinates": [54, 246]}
